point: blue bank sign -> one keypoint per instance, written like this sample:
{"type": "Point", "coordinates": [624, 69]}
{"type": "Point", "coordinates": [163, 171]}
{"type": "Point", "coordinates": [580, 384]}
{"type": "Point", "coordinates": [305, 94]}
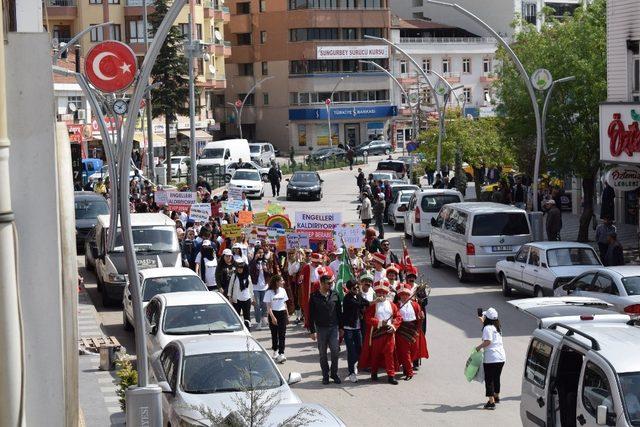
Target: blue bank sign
{"type": "Point", "coordinates": [344, 113]}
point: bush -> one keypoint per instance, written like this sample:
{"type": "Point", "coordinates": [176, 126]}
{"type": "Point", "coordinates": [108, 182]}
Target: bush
{"type": "Point", "coordinates": [127, 377]}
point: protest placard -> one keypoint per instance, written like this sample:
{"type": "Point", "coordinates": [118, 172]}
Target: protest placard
{"type": "Point", "coordinates": [233, 206]}
{"type": "Point", "coordinates": [318, 226]}
{"type": "Point", "coordinates": [245, 217]}
{"type": "Point", "coordinates": [351, 234]}
{"type": "Point", "coordinates": [181, 200]}
{"type": "Point", "coordinates": [297, 240]}
{"type": "Point", "coordinates": [231, 230]}
{"type": "Point", "coordinates": [274, 208]}
{"type": "Point", "coordinates": [259, 218]}
{"type": "Point", "coordinates": [160, 197]}
{"type": "Point", "coordinates": [200, 212]}
{"type": "Point", "coordinates": [234, 193]}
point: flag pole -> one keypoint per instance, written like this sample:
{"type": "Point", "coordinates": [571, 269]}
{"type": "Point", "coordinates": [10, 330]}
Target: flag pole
{"type": "Point", "coordinates": [344, 248]}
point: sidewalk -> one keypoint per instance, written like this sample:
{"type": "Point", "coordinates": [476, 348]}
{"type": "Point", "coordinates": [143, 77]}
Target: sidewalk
{"type": "Point", "coordinates": [97, 389]}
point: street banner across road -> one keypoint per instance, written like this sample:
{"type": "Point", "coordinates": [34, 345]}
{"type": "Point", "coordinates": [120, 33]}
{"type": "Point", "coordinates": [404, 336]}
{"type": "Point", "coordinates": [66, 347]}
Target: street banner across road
{"type": "Point", "coordinates": [200, 212]}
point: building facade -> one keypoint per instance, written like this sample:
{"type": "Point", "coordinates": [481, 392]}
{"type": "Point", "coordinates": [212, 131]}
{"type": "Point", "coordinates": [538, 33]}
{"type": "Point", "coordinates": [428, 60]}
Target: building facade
{"type": "Point", "coordinates": [310, 50]}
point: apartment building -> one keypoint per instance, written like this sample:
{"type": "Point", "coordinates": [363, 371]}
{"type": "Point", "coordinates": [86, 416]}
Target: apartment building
{"type": "Point", "coordinates": [311, 49]}
{"type": "Point", "coordinates": [462, 58]}
{"type": "Point", "coordinates": [65, 18]}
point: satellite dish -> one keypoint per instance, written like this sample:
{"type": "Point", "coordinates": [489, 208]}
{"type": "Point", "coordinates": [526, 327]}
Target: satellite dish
{"type": "Point", "coordinates": [212, 68]}
{"type": "Point", "coordinates": [72, 107]}
{"type": "Point", "coordinates": [206, 57]}
{"type": "Point", "coordinates": [217, 35]}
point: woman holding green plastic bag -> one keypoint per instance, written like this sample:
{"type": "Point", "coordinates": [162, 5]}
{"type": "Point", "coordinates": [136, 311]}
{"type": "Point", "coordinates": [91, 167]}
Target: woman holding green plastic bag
{"type": "Point", "coordinates": [494, 355]}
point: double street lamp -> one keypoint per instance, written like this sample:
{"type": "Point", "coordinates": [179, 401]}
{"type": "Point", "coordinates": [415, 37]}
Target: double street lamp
{"type": "Point", "coordinates": [327, 104]}
{"type": "Point", "coordinates": [238, 106]}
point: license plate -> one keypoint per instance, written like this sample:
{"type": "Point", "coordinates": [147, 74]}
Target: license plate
{"type": "Point", "coordinates": [303, 193]}
{"type": "Point", "coordinates": [501, 248]}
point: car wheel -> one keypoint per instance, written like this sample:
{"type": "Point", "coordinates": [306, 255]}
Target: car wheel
{"type": "Point", "coordinates": [462, 275]}
{"type": "Point", "coordinates": [126, 325]}
{"type": "Point", "coordinates": [432, 257]}
{"type": "Point", "coordinates": [537, 292]}
{"type": "Point", "coordinates": [386, 151]}
{"type": "Point", "coordinates": [506, 289]}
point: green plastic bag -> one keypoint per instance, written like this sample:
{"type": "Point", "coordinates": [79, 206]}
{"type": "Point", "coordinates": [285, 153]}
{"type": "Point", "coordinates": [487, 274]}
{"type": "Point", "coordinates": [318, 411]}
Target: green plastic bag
{"type": "Point", "coordinates": [473, 364]}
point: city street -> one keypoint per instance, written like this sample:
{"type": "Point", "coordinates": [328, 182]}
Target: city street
{"type": "Point", "coordinates": [439, 393]}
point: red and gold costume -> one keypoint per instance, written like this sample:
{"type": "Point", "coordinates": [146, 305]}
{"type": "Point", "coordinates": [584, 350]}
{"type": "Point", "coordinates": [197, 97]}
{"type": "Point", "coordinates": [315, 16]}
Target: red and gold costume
{"type": "Point", "coordinates": [411, 343]}
{"type": "Point", "coordinates": [310, 282]}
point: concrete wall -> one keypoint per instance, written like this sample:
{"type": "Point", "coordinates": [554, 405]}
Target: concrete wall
{"type": "Point", "coordinates": [623, 24]}
{"type": "Point", "coordinates": [35, 202]}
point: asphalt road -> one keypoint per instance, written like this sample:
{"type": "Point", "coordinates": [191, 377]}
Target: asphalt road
{"type": "Point", "coordinates": [438, 394]}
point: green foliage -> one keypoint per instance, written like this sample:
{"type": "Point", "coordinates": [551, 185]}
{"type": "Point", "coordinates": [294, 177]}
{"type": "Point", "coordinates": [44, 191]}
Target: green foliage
{"type": "Point", "coordinates": [574, 46]}
{"type": "Point", "coordinates": [127, 377]}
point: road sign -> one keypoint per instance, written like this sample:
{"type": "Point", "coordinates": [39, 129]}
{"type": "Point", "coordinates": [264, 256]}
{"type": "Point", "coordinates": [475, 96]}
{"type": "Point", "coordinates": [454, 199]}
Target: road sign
{"type": "Point", "coordinates": [441, 88]}
{"type": "Point", "coordinates": [541, 79]}
{"type": "Point", "coordinates": [238, 103]}
{"type": "Point", "coordinates": [110, 66]}
{"type": "Point", "coordinates": [327, 101]}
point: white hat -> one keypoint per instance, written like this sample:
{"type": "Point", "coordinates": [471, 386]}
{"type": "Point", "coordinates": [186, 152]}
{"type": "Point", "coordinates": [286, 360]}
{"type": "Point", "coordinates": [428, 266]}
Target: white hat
{"type": "Point", "coordinates": [227, 252]}
{"type": "Point", "coordinates": [381, 195]}
{"type": "Point", "coordinates": [206, 243]}
{"type": "Point", "coordinates": [237, 258]}
{"type": "Point", "coordinates": [550, 202]}
{"type": "Point", "coordinates": [490, 313]}
{"type": "Point", "coordinates": [236, 246]}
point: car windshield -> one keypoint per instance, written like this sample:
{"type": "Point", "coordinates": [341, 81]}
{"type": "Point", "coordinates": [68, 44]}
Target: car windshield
{"type": "Point", "coordinates": [630, 383]}
{"type": "Point", "coordinates": [165, 285]}
{"type": "Point", "coordinates": [254, 149]}
{"type": "Point", "coordinates": [563, 257]}
{"type": "Point", "coordinates": [382, 176]}
{"type": "Point", "coordinates": [175, 160]}
{"type": "Point", "coordinates": [212, 153]}
{"type": "Point", "coordinates": [229, 372]}
{"type": "Point", "coordinates": [405, 197]}
{"type": "Point", "coordinates": [304, 177]}
{"type": "Point", "coordinates": [90, 209]}
{"type": "Point", "coordinates": [631, 285]}
{"type": "Point", "coordinates": [159, 238]}
{"type": "Point", "coordinates": [200, 319]}
{"type": "Point", "coordinates": [433, 202]}
{"type": "Point", "coordinates": [391, 166]}
{"type": "Point", "coordinates": [247, 175]}
{"type": "Point", "coordinates": [500, 224]}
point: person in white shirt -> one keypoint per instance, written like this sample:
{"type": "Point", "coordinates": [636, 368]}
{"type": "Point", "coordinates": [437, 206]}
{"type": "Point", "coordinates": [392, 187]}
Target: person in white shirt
{"type": "Point", "coordinates": [366, 281]}
{"type": "Point", "coordinates": [335, 264]}
{"type": "Point", "coordinates": [206, 264]}
{"type": "Point", "coordinates": [241, 291]}
{"type": "Point", "coordinates": [494, 355]}
{"type": "Point", "coordinates": [276, 300]}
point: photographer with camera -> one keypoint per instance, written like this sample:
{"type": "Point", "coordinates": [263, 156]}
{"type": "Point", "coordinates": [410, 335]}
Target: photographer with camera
{"type": "Point", "coordinates": [494, 355]}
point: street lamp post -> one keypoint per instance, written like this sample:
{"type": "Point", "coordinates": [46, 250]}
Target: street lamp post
{"type": "Point", "coordinates": [545, 108]}
{"type": "Point", "coordinates": [426, 77]}
{"type": "Point", "coordinates": [414, 121]}
{"type": "Point", "coordinates": [239, 105]}
{"type": "Point", "coordinates": [327, 104]}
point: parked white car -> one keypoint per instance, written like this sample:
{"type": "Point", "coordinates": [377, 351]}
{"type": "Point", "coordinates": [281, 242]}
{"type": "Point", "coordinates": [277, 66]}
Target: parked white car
{"type": "Point", "coordinates": [619, 286]}
{"type": "Point", "coordinates": [182, 314]}
{"type": "Point", "coordinates": [249, 181]}
{"type": "Point", "coordinates": [540, 267]}
{"type": "Point", "coordinates": [154, 281]}
{"type": "Point", "coordinates": [215, 371]}
{"type": "Point", "coordinates": [262, 152]}
{"type": "Point", "coordinates": [231, 168]}
{"type": "Point", "coordinates": [398, 207]}
{"type": "Point", "coordinates": [179, 166]}
{"type": "Point", "coordinates": [424, 205]}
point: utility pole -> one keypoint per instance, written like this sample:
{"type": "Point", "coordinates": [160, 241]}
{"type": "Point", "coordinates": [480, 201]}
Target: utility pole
{"type": "Point", "coordinates": [151, 172]}
{"type": "Point", "coordinates": [239, 105]}
{"type": "Point", "coordinates": [192, 50]}
{"type": "Point", "coordinates": [327, 103]}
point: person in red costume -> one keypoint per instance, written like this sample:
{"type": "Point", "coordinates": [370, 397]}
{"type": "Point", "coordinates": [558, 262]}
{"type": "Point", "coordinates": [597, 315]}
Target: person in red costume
{"type": "Point", "coordinates": [382, 319]}
{"type": "Point", "coordinates": [411, 343]}
{"type": "Point", "coordinates": [309, 284]}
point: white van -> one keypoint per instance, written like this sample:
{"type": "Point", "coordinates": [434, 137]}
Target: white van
{"type": "Point", "coordinates": [474, 236]}
{"type": "Point", "coordinates": [424, 205]}
{"type": "Point", "coordinates": [156, 245]}
{"type": "Point", "coordinates": [262, 153]}
{"type": "Point", "coordinates": [224, 152]}
{"type": "Point", "coordinates": [582, 367]}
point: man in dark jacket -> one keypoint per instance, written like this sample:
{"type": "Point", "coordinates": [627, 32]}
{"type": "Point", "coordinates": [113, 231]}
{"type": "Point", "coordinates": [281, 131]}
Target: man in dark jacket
{"type": "Point", "coordinates": [378, 214]}
{"type": "Point", "coordinates": [275, 176]}
{"type": "Point", "coordinates": [326, 326]}
{"type": "Point", "coordinates": [353, 308]}
{"type": "Point", "coordinates": [361, 181]}
{"type": "Point", "coordinates": [615, 254]}
{"type": "Point", "coordinates": [554, 220]}
{"type": "Point", "coordinates": [608, 200]}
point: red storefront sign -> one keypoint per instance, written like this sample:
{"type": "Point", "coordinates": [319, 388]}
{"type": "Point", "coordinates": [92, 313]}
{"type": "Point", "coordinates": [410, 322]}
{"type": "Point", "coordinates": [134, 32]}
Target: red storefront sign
{"type": "Point", "coordinates": [620, 133]}
{"type": "Point", "coordinates": [75, 132]}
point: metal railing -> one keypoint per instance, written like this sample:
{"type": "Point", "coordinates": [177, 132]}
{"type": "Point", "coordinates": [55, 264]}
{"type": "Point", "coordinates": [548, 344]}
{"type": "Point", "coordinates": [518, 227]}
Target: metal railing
{"type": "Point", "coordinates": [451, 75]}
{"type": "Point", "coordinates": [63, 3]}
{"type": "Point", "coordinates": [140, 2]}
{"type": "Point", "coordinates": [444, 40]}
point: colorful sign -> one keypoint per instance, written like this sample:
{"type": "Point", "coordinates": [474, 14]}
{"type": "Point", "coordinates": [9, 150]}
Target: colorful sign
{"type": "Point", "coordinates": [234, 193]}
{"type": "Point", "coordinates": [278, 221]}
{"type": "Point", "coordinates": [318, 226]}
{"type": "Point", "coordinates": [620, 133]}
{"type": "Point", "coordinates": [231, 230]}
{"type": "Point", "coordinates": [260, 218]}
{"type": "Point", "coordinates": [624, 178]}
{"type": "Point", "coordinates": [110, 66]}
{"type": "Point", "coordinates": [351, 234]}
{"type": "Point", "coordinates": [245, 217]}
{"type": "Point", "coordinates": [233, 206]}
{"type": "Point", "coordinates": [297, 240]}
{"type": "Point", "coordinates": [200, 212]}
{"type": "Point", "coordinates": [343, 113]}
{"type": "Point", "coordinates": [181, 201]}
{"type": "Point", "coordinates": [352, 52]}
{"type": "Point", "coordinates": [274, 208]}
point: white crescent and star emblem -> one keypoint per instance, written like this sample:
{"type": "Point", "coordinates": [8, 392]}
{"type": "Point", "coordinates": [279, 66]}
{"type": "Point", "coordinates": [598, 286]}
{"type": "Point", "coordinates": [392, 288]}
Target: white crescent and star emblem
{"type": "Point", "coordinates": [96, 65]}
{"type": "Point", "coordinates": [110, 66]}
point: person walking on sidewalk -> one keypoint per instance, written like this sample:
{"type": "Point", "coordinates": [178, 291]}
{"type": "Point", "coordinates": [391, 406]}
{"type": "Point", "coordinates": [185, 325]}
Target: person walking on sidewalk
{"type": "Point", "coordinates": [378, 214]}
{"type": "Point", "coordinates": [325, 325]}
{"type": "Point", "coordinates": [494, 355]}
{"type": "Point", "coordinates": [260, 277]}
{"type": "Point", "coordinates": [608, 202]}
{"type": "Point", "coordinates": [615, 254]}
{"type": "Point", "coordinates": [366, 211]}
{"type": "Point", "coordinates": [241, 291]}
{"type": "Point", "coordinates": [275, 177]}
{"type": "Point", "coordinates": [276, 299]}
{"type": "Point", "coordinates": [353, 307]}
{"type": "Point", "coordinates": [350, 155]}
{"type": "Point", "coordinates": [554, 220]}
{"type": "Point", "coordinates": [602, 235]}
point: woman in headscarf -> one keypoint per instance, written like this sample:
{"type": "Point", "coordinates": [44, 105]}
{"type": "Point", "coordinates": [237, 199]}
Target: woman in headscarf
{"type": "Point", "coordinates": [241, 291]}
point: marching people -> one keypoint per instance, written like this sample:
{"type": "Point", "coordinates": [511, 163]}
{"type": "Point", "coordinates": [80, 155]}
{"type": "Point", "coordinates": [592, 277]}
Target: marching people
{"type": "Point", "coordinates": [378, 213]}
{"type": "Point", "coordinates": [602, 235]}
{"type": "Point", "coordinates": [294, 264]}
{"type": "Point", "coordinates": [206, 263]}
{"type": "Point", "coordinates": [371, 242]}
{"type": "Point", "coordinates": [224, 270]}
{"type": "Point", "coordinates": [276, 300]}
{"type": "Point", "coordinates": [241, 291]}
{"type": "Point", "coordinates": [391, 274]}
{"type": "Point", "coordinates": [379, 262]}
{"type": "Point", "coordinates": [353, 308]}
{"type": "Point", "coordinates": [494, 355]}
{"type": "Point", "coordinates": [382, 320]}
{"type": "Point", "coordinates": [411, 344]}
{"type": "Point", "coordinates": [361, 181]}
{"type": "Point", "coordinates": [326, 325]}
{"type": "Point", "coordinates": [310, 283]}
{"type": "Point", "coordinates": [366, 283]}
{"type": "Point", "coordinates": [260, 276]}
{"type": "Point", "coordinates": [385, 249]}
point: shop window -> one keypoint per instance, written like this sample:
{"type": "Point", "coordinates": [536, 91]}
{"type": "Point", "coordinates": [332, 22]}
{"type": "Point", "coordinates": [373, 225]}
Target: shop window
{"type": "Point", "coordinates": [302, 135]}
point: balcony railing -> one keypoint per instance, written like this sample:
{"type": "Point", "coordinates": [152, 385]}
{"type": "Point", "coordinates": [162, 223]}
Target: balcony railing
{"type": "Point", "coordinates": [140, 2]}
{"type": "Point", "coordinates": [446, 40]}
{"type": "Point", "coordinates": [63, 3]}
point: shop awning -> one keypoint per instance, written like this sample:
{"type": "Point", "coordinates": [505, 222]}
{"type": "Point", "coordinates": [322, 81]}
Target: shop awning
{"type": "Point", "coordinates": [200, 135]}
{"type": "Point", "coordinates": [158, 141]}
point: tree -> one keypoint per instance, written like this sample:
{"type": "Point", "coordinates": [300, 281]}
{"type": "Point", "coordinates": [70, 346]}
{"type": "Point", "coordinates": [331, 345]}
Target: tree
{"type": "Point", "coordinates": [575, 45]}
{"type": "Point", "coordinates": [172, 70]}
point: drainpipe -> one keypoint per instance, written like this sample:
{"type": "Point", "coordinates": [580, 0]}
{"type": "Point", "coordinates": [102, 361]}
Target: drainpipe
{"type": "Point", "coordinates": [11, 362]}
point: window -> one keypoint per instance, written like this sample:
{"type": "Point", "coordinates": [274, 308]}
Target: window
{"type": "Point", "coordinates": [114, 32]}
{"type": "Point", "coordinates": [374, 32]}
{"type": "Point", "coordinates": [245, 69]}
{"type": "Point", "coordinates": [349, 33]}
{"type": "Point", "coordinates": [416, 3]}
{"type": "Point", "coordinates": [537, 363]}
{"type": "Point", "coordinates": [433, 203]}
{"type": "Point", "coordinates": [605, 285]}
{"type": "Point", "coordinates": [529, 12]}
{"type": "Point", "coordinates": [571, 256]}
{"type": "Point", "coordinates": [218, 100]}
{"type": "Point", "coordinates": [446, 62]}
{"type": "Point", "coordinates": [521, 256]}
{"type": "Point", "coordinates": [95, 2]}
{"type": "Point", "coordinates": [595, 389]}
{"type": "Point", "coordinates": [313, 4]}
{"type": "Point", "coordinates": [263, 37]}
{"type": "Point", "coordinates": [265, 99]}
{"type": "Point", "coordinates": [198, 35]}
{"type": "Point", "coordinates": [244, 39]}
{"type": "Point", "coordinates": [303, 34]}
{"type": "Point", "coordinates": [636, 74]}
{"type": "Point", "coordinates": [466, 93]}
{"type": "Point", "coordinates": [426, 65]}
{"type": "Point", "coordinates": [466, 65]}
{"type": "Point", "coordinates": [114, 2]}
{"type": "Point", "coordinates": [370, 4]}
{"type": "Point", "coordinates": [349, 4]}
{"type": "Point", "coordinates": [199, 70]}
{"type": "Point", "coordinates": [486, 95]}
{"type": "Point", "coordinates": [583, 283]}
{"type": "Point", "coordinates": [250, 99]}
{"type": "Point", "coordinates": [500, 224]}
{"type": "Point", "coordinates": [263, 5]}
{"type": "Point", "coordinates": [184, 29]}
{"type": "Point", "coordinates": [136, 32]}
{"type": "Point", "coordinates": [302, 135]}
{"type": "Point", "coordinates": [265, 68]}
{"type": "Point", "coordinates": [403, 67]}
{"type": "Point", "coordinates": [486, 65]}
{"type": "Point", "coordinates": [96, 34]}
{"type": "Point", "coordinates": [243, 8]}
{"type": "Point", "coordinates": [534, 256]}
{"type": "Point", "coordinates": [457, 222]}
{"type": "Point", "coordinates": [417, 15]}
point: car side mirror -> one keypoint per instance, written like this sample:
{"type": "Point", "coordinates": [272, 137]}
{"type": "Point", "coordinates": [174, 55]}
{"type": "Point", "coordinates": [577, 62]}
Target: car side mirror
{"type": "Point", "coordinates": [434, 223]}
{"type": "Point", "coordinates": [294, 377]}
{"type": "Point", "coordinates": [165, 387]}
{"type": "Point", "coordinates": [511, 258]}
{"type": "Point", "coordinates": [322, 180]}
{"type": "Point", "coordinates": [154, 329]}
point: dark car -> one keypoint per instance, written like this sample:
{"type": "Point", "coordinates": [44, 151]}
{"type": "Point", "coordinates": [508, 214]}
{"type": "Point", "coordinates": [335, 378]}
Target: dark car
{"type": "Point", "coordinates": [304, 185]}
{"type": "Point", "coordinates": [322, 154]}
{"type": "Point", "coordinates": [88, 206]}
{"type": "Point", "coordinates": [378, 146]}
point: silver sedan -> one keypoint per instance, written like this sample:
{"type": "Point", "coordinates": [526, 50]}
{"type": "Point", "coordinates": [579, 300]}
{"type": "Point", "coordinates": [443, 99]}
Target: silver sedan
{"type": "Point", "coordinates": [619, 286]}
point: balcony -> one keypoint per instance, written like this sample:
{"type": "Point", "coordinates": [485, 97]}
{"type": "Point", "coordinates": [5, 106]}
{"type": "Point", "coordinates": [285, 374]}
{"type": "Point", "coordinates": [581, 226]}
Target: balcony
{"type": "Point", "coordinates": [241, 24]}
{"type": "Point", "coordinates": [452, 77]}
{"type": "Point", "coordinates": [214, 10]}
{"type": "Point", "coordinates": [136, 7]}
{"type": "Point", "coordinates": [447, 40]}
{"type": "Point", "coordinates": [405, 111]}
{"type": "Point", "coordinates": [488, 77]}
{"type": "Point", "coordinates": [62, 9]}
{"type": "Point", "coordinates": [407, 79]}
{"type": "Point", "coordinates": [215, 83]}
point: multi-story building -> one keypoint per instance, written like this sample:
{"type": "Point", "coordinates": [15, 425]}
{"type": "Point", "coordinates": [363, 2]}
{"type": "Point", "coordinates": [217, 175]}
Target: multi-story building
{"type": "Point", "coordinates": [499, 14]}
{"type": "Point", "coordinates": [310, 48]}
{"type": "Point", "coordinates": [462, 58]}
{"type": "Point", "coordinates": [65, 18]}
